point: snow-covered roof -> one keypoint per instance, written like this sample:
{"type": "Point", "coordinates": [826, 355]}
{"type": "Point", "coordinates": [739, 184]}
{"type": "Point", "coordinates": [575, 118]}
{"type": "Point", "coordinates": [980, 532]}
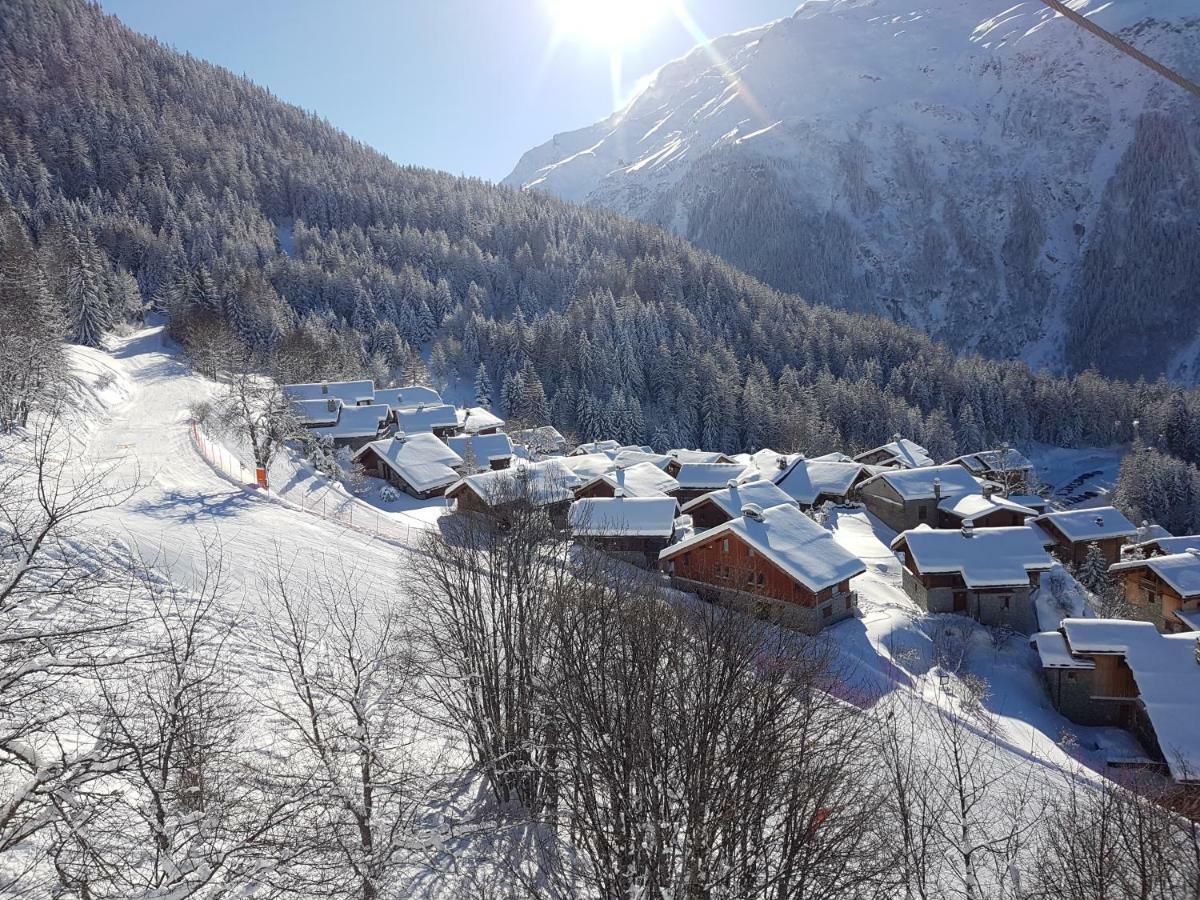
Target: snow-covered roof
{"type": "Point", "coordinates": [710, 476]}
{"type": "Point", "coordinates": [685, 457]}
{"type": "Point", "coordinates": [642, 480]}
{"type": "Point", "coordinates": [1032, 501]}
{"type": "Point", "coordinates": [918, 484]}
{"type": "Point", "coordinates": [316, 412]}
{"type": "Point", "coordinates": [408, 397]}
{"type": "Point", "coordinates": [542, 483]}
{"type": "Point", "coordinates": [1171, 544]}
{"type": "Point", "coordinates": [767, 462]}
{"type": "Point", "coordinates": [544, 437]}
{"type": "Point", "coordinates": [1055, 654]}
{"type": "Point", "coordinates": [1180, 570]}
{"type": "Point", "coordinates": [349, 392]}
{"type": "Point", "coordinates": [485, 447]}
{"type": "Point", "coordinates": [421, 460]}
{"type": "Point", "coordinates": [835, 456]}
{"type": "Point", "coordinates": [626, 458]}
{"type": "Point", "coordinates": [804, 480]}
{"type": "Point", "coordinates": [902, 452]}
{"type": "Point", "coordinates": [624, 516]}
{"type": "Point", "coordinates": [977, 506]}
{"type": "Point", "coordinates": [1167, 675]}
{"type": "Point", "coordinates": [1092, 524]}
{"type": "Point", "coordinates": [732, 499]}
{"type": "Point", "coordinates": [595, 447]}
{"type": "Point", "coordinates": [790, 540]}
{"type": "Point", "coordinates": [985, 558]}
{"type": "Point", "coordinates": [477, 419]}
{"type": "Point", "coordinates": [589, 465]}
{"type": "Point", "coordinates": [355, 422]}
{"type": "Point", "coordinates": [426, 418]}
{"type": "Point", "coordinates": [985, 461]}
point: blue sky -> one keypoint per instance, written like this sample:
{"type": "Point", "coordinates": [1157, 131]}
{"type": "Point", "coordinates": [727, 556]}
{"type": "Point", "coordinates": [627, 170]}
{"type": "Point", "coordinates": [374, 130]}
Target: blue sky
{"type": "Point", "coordinates": [461, 85]}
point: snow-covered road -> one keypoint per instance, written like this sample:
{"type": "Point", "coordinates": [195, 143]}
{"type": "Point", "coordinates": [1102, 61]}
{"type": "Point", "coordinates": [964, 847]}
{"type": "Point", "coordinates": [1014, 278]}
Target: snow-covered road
{"type": "Point", "coordinates": [184, 505]}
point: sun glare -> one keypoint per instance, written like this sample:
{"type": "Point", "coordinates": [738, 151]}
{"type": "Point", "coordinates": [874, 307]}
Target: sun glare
{"type": "Point", "coordinates": [610, 23]}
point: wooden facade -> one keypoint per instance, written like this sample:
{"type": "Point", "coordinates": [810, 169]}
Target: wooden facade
{"type": "Point", "coordinates": [376, 467]}
{"type": "Point", "coordinates": [708, 514]}
{"type": "Point", "coordinates": [1075, 552]}
{"type": "Point", "coordinates": [999, 518]}
{"type": "Point", "coordinates": [1156, 601]}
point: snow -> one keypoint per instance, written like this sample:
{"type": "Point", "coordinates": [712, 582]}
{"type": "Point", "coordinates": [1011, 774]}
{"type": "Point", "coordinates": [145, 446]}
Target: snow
{"type": "Point", "coordinates": [1092, 524]}
{"type": "Point", "coordinates": [807, 479]}
{"type": "Point", "coordinates": [985, 558]}
{"type": "Point", "coordinates": [1180, 570]}
{"type": "Point", "coordinates": [355, 422]}
{"type": "Point", "coordinates": [317, 412]}
{"type": "Point", "coordinates": [986, 461]}
{"type": "Point", "coordinates": [686, 457]}
{"type": "Point", "coordinates": [628, 458]}
{"type": "Point", "coordinates": [486, 447]}
{"type": "Point", "coordinates": [791, 540]}
{"type": "Point", "coordinates": [593, 447]}
{"type": "Point", "coordinates": [476, 419]}
{"type": "Point", "coordinates": [421, 460]}
{"type": "Point", "coordinates": [624, 517]}
{"type": "Point", "coordinates": [1053, 651]}
{"type": "Point", "coordinates": [426, 418]}
{"type": "Point", "coordinates": [733, 499]}
{"type": "Point", "coordinates": [589, 465]}
{"type": "Point", "coordinates": [974, 506]}
{"type": "Point", "coordinates": [641, 480]}
{"type": "Point", "coordinates": [903, 452]}
{"type": "Point", "coordinates": [918, 484]}
{"type": "Point", "coordinates": [1168, 680]}
{"type": "Point", "coordinates": [543, 483]}
{"type": "Point", "coordinates": [1170, 545]}
{"type": "Point", "coordinates": [349, 392]}
{"type": "Point", "coordinates": [707, 475]}
{"type": "Point", "coordinates": [408, 397]}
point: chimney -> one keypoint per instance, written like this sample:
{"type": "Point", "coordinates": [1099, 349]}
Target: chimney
{"type": "Point", "coordinates": [781, 462]}
{"type": "Point", "coordinates": [896, 438]}
{"type": "Point", "coordinates": [968, 528]}
{"type": "Point", "coordinates": [937, 489]}
{"type": "Point", "coordinates": [989, 491]}
{"type": "Point", "coordinates": [752, 511]}
{"type": "Point", "coordinates": [619, 490]}
{"type": "Point", "coordinates": [331, 405]}
{"type": "Point", "coordinates": [1100, 521]}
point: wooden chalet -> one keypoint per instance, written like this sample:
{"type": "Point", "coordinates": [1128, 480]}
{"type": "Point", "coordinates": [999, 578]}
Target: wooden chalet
{"type": "Point", "coordinates": [1164, 589]}
{"type": "Point", "coordinates": [477, 420]}
{"type": "Point", "coordinates": [356, 426]}
{"type": "Point", "coordinates": [490, 451]}
{"type": "Point", "coordinates": [349, 393]}
{"type": "Point", "coordinates": [681, 458]}
{"type": "Point", "coordinates": [987, 509]}
{"type": "Point", "coordinates": [410, 397]}
{"type": "Point", "coordinates": [439, 419]}
{"type": "Point", "coordinates": [717, 507]}
{"type": "Point", "coordinates": [696, 479]}
{"type": "Point", "coordinates": [1069, 533]}
{"type": "Point", "coordinates": [635, 529]}
{"type": "Point", "coordinates": [906, 498]}
{"type": "Point", "coordinates": [419, 464]}
{"type": "Point", "coordinates": [641, 480]}
{"type": "Point", "coordinates": [1004, 466]}
{"type": "Point", "coordinates": [899, 453]}
{"type": "Point", "coordinates": [544, 485]}
{"type": "Point", "coordinates": [776, 564]}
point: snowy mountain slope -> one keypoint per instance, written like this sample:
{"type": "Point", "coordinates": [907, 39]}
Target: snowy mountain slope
{"type": "Point", "coordinates": [984, 170]}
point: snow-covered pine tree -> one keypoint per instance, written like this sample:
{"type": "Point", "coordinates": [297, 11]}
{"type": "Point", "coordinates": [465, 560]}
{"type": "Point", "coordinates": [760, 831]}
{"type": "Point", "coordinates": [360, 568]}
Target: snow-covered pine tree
{"type": "Point", "coordinates": [483, 387]}
{"type": "Point", "coordinates": [1093, 571]}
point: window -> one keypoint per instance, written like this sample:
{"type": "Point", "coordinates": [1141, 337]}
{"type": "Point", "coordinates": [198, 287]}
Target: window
{"type": "Point", "coordinates": [922, 513]}
{"type": "Point", "coordinates": [687, 558]}
{"type": "Point", "coordinates": [724, 545]}
{"type": "Point", "coordinates": [827, 611]}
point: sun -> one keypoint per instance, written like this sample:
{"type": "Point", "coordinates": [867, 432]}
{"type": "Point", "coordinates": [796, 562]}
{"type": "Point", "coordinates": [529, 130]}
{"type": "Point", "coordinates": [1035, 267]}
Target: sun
{"type": "Point", "coordinates": [609, 23]}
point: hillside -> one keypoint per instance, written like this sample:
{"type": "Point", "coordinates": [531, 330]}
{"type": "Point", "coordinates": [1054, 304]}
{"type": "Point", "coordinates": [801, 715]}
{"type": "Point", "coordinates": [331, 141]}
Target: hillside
{"type": "Point", "coordinates": [981, 170]}
{"type": "Point", "coordinates": [131, 175]}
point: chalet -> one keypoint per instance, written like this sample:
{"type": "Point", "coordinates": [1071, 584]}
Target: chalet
{"type": "Point", "coordinates": [905, 498]}
{"type": "Point", "coordinates": [776, 564]}
{"type": "Point", "coordinates": [595, 447]}
{"type": "Point", "coordinates": [355, 427]}
{"type": "Point", "coordinates": [1004, 466]}
{"type": "Point", "coordinates": [545, 440]}
{"type": "Point", "coordinates": [1164, 590]}
{"type": "Point", "coordinates": [984, 510]}
{"type": "Point", "coordinates": [633, 528]}
{"type": "Point", "coordinates": [811, 482]}
{"type": "Point", "coordinates": [1116, 672]}
{"type": "Point", "coordinates": [700, 478]}
{"type": "Point", "coordinates": [899, 453]}
{"type": "Point", "coordinates": [589, 465]}
{"type": "Point", "coordinates": [680, 458]}
{"type": "Point", "coordinates": [545, 485]}
{"type": "Point", "coordinates": [350, 393]}
{"type": "Point", "coordinates": [1164, 545]}
{"type": "Point", "coordinates": [642, 480]}
{"type": "Point", "coordinates": [1071, 532]}
{"type": "Point", "coordinates": [716, 507]}
{"type": "Point", "coordinates": [1031, 501]}
{"type": "Point", "coordinates": [408, 397]}
{"type": "Point", "coordinates": [626, 458]}
{"type": "Point", "coordinates": [440, 420]}
{"type": "Point", "coordinates": [490, 451]}
{"type": "Point", "coordinates": [316, 413]}
{"type": "Point", "coordinates": [987, 574]}
{"type": "Point", "coordinates": [419, 464]}
{"type": "Point", "coordinates": [477, 420]}
{"type": "Point", "coordinates": [765, 463]}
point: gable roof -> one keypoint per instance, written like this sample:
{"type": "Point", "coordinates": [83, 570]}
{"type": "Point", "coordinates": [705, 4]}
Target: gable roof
{"type": "Point", "coordinates": [804, 480]}
{"type": "Point", "coordinates": [1001, 460]}
{"type": "Point", "coordinates": [595, 447]}
{"type": "Point", "coordinates": [1092, 524]}
{"type": "Point", "coordinates": [707, 476]}
{"type": "Point", "coordinates": [316, 412]}
{"type": "Point", "coordinates": [408, 397]}
{"type": "Point", "coordinates": [542, 483]}
{"type": "Point", "coordinates": [421, 460]}
{"type": "Point", "coordinates": [589, 465]}
{"type": "Point", "coordinates": [476, 419]}
{"type": "Point", "coordinates": [1167, 677]}
{"type": "Point", "coordinates": [1180, 570]}
{"type": "Point", "coordinates": [1170, 544]}
{"type": "Point", "coordinates": [355, 422]}
{"type": "Point", "coordinates": [918, 484]}
{"type": "Point", "coordinates": [903, 452]}
{"type": "Point", "coordinates": [626, 458]}
{"type": "Point", "coordinates": [426, 418]}
{"type": "Point", "coordinates": [732, 499]}
{"type": "Point", "coordinates": [485, 447]}
{"type": "Point", "coordinates": [624, 516]}
{"type": "Point", "coordinates": [986, 558]}
{"type": "Point", "coordinates": [685, 457]}
{"type": "Point", "coordinates": [977, 506]}
{"type": "Point", "coordinates": [789, 539]}
{"type": "Point", "coordinates": [641, 480]}
{"type": "Point", "coordinates": [349, 392]}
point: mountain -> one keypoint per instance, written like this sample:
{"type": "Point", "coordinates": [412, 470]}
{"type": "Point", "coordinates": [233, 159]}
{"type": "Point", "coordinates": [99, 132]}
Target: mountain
{"type": "Point", "coordinates": [131, 174]}
{"type": "Point", "coordinates": [980, 169]}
